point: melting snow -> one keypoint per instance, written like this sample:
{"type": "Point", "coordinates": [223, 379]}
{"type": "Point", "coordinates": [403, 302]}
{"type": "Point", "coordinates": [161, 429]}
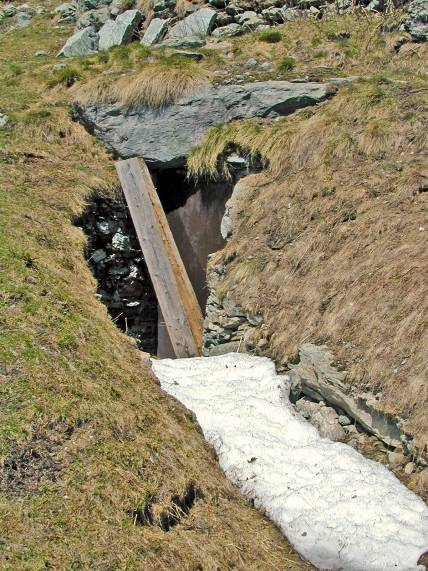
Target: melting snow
{"type": "Point", "coordinates": [338, 509]}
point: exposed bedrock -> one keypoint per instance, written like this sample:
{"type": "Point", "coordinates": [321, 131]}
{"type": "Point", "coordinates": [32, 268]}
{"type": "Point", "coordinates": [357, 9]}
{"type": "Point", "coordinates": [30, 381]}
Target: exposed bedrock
{"type": "Point", "coordinates": [164, 136]}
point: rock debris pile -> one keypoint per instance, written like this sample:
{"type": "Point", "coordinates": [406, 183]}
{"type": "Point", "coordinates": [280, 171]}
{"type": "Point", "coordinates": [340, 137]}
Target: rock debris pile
{"type": "Point", "coordinates": [117, 262]}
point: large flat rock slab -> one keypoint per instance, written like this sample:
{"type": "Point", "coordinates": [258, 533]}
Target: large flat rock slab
{"type": "Point", "coordinates": [165, 136]}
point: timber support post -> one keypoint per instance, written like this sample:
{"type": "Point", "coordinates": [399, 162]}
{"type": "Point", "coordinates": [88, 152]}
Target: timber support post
{"type": "Point", "coordinates": [175, 294]}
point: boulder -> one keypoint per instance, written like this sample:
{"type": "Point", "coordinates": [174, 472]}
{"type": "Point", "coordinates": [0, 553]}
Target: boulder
{"type": "Point", "coordinates": [155, 31]}
{"type": "Point", "coordinates": [165, 136]}
{"type": "Point", "coordinates": [200, 23]}
{"type": "Point", "coordinates": [82, 43]}
{"type": "Point", "coordinates": [120, 31]}
{"type": "Point", "coordinates": [227, 31]}
{"type": "Point", "coordinates": [417, 20]}
{"type": "Point", "coordinates": [273, 15]}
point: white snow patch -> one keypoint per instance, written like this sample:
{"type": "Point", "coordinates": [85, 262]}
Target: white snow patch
{"type": "Point", "coordinates": [339, 510]}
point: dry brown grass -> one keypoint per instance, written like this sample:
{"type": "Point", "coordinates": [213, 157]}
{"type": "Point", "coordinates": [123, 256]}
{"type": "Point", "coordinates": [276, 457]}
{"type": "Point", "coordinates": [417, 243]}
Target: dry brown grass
{"type": "Point", "coordinates": [155, 85]}
{"type": "Point", "coordinates": [330, 242]}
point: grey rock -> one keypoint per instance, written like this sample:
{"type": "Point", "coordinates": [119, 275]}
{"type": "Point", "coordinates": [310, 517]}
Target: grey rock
{"type": "Point", "coordinates": [320, 380]}
{"type": "Point", "coordinates": [195, 56]}
{"type": "Point", "coordinates": [58, 66]}
{"type": "Point", "coordinates": [93, 18]}
{"type": "Point", "coordinates": [120, 242]}
{"type": "Point", "coordinates": [396, 459]}
{"type": "Point", "coordinates": [324, 418]}
{"type": "Point", "coordinates": [417, 20]}
{"type": "Point", "coordinates": [228, 31]}
{"type": "Point", "coordinates": [409, 468]}
{"type": "Point", "coordinates": [344, 420]}
{"type": "Point", "coordinates": [67, 12]}
{"type": "Point", "coordinates": [233, 9]}
{"type": "Point", "coordinates": [249, 18]}
{"type": "Point", "coordinates": [273, 15]}
{"type": "Point", "coordinates": [217, 3]}
{"type": "Point", "coordinates": [224, 348]}
{"type": "Point", "coordinates": [200, 23]}
{"type": "Point", "coordinates": [9, 11]}
{"type": "Point", "coordinates": [22, 20]}
{"type": "Point", "coordinates": [163, 5]}
{"type": "Point", "coordinates": [191, 42]}
{"type": "Point", "coordinates": [165, 136]}
{"type": "Point", "coordinates": [98, 256]}
{"type": "Point", "coordinates": [290, 14]}
{"type": "Point", "coordinates": [40, 53]}
{"type": "Point", "coordinates": [120, 31]}
{"type": "Point", "coordinates": [255, 319]}
{"type": "Point", "coordinates": [155, 31]}
{"type": "Point", "coordinates": [223, 19]}
{"type": "Point", "coordinates": [82, 43]}
{"type": "Point", "coordinates": [4, 119]}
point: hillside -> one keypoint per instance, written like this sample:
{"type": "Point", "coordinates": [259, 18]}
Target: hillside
{"type": "Point", "coordinates": [326, 175]}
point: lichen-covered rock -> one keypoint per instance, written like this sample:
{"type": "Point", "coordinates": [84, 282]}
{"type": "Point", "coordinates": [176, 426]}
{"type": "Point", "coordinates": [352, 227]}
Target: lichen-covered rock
{"type": "Point", "coordinates": [165, 136]}
{"type": "Point", "coordinates": [200, 23]}
{"type": "Point", "coordinates": [417, 20]}
{"type": "Point", "coordinates": [82, 43]}
{"type": "Point", "coordinates": [94, 18]}
{"type": "Point", "coordinates": [67, 12]}
{"type": "Point", "coordinates": [120, 31]}
{"type": "Point", "coordinates": [191, 42]}
{"type": "Point", "coordinates": [155, 31]}
{"type": "Point", "coordinates": [227, 31]}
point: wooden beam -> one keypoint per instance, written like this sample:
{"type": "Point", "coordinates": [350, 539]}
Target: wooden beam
{"type": "Point", "coordinates": [177, 300]}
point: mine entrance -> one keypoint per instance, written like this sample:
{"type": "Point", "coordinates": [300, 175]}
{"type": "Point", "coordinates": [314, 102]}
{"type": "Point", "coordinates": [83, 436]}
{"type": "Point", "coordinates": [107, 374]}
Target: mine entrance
{"type": "Point", "coordinates": [194, 212]}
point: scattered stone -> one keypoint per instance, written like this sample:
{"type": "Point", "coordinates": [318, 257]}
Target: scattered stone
{"type": "Point", "coordinates": [249, 19]}
{"type": "Point", "coordinates": [98, 256]}
{"type": "Point", "coordinates": [196, 56]}
{"type": "Point", "coordinates": [255, 319]}
{"type": "Point", "coordinates": [4, 119]}
{"type": "Point", "coordinates": [40, 53]}
{"type": "Point", "coordinates": [120, 242]}
{"type": "Point", "coordinates": [120, 31]}
{"type": "Point", "coordinates": [22, 20]}
{"type": "Point", "coordinates": [290, 14]}
{"type": "Point", "coordinates": [266, 66]}
{"type": "Point", "coordinates": [9, 11]}
{"type": "Point", "coordinates": [228, 31]}
{"type": "Point", "coordinates": [82, 43]}
{"type": "Point", "coordinates": [200, 23]}
{"type": "Point", "coordinates": [182, 43]}
{"type": "Point", "coordinates": [396, 459]}
{"type": "Point", "coordinates": [417, 20]}
{"type": "Point", "coordinates": [273, 15]}
{"type": "Point", "coordinates": [94, 18]}
{"type": "Point", "coordinates": [223, 19]}
{"type": "Point", "coordinates": [155, 31]}
{"type": "Point", "coordinates": [58, 66]}
{"type": "Point", "coordinates": [409, 468]}
{"type": "Point", "coordinates": [67, 12]}
{"type": "Point", "coordinates": [344, 420]}
{"type": "Point", "coordinates": [350, 429]}
{"type": "Point", "coordinates": [324, 418]}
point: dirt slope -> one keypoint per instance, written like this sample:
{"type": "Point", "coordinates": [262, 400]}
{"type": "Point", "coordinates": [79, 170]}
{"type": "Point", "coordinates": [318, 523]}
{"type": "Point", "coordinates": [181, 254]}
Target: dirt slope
{"type": "Point", "coordinates": [99, 468]}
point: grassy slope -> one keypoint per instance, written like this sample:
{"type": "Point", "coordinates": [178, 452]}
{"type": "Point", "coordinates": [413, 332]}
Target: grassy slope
{"type": "Point", "coordinates": [86, 436]}
{"type": "Point", "coordinates": [331, 243]}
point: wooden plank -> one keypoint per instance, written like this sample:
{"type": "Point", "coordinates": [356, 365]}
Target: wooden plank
{"type": "Point", "coordinates": [177, 300]}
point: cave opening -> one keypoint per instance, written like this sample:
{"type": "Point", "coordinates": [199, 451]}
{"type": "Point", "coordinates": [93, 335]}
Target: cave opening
{"type": "Point", "coordinates": [194, 212]}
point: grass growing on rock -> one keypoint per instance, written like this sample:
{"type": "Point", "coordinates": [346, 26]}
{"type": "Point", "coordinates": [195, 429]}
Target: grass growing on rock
{"type": "Point", "coordinates": [89, 444]}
